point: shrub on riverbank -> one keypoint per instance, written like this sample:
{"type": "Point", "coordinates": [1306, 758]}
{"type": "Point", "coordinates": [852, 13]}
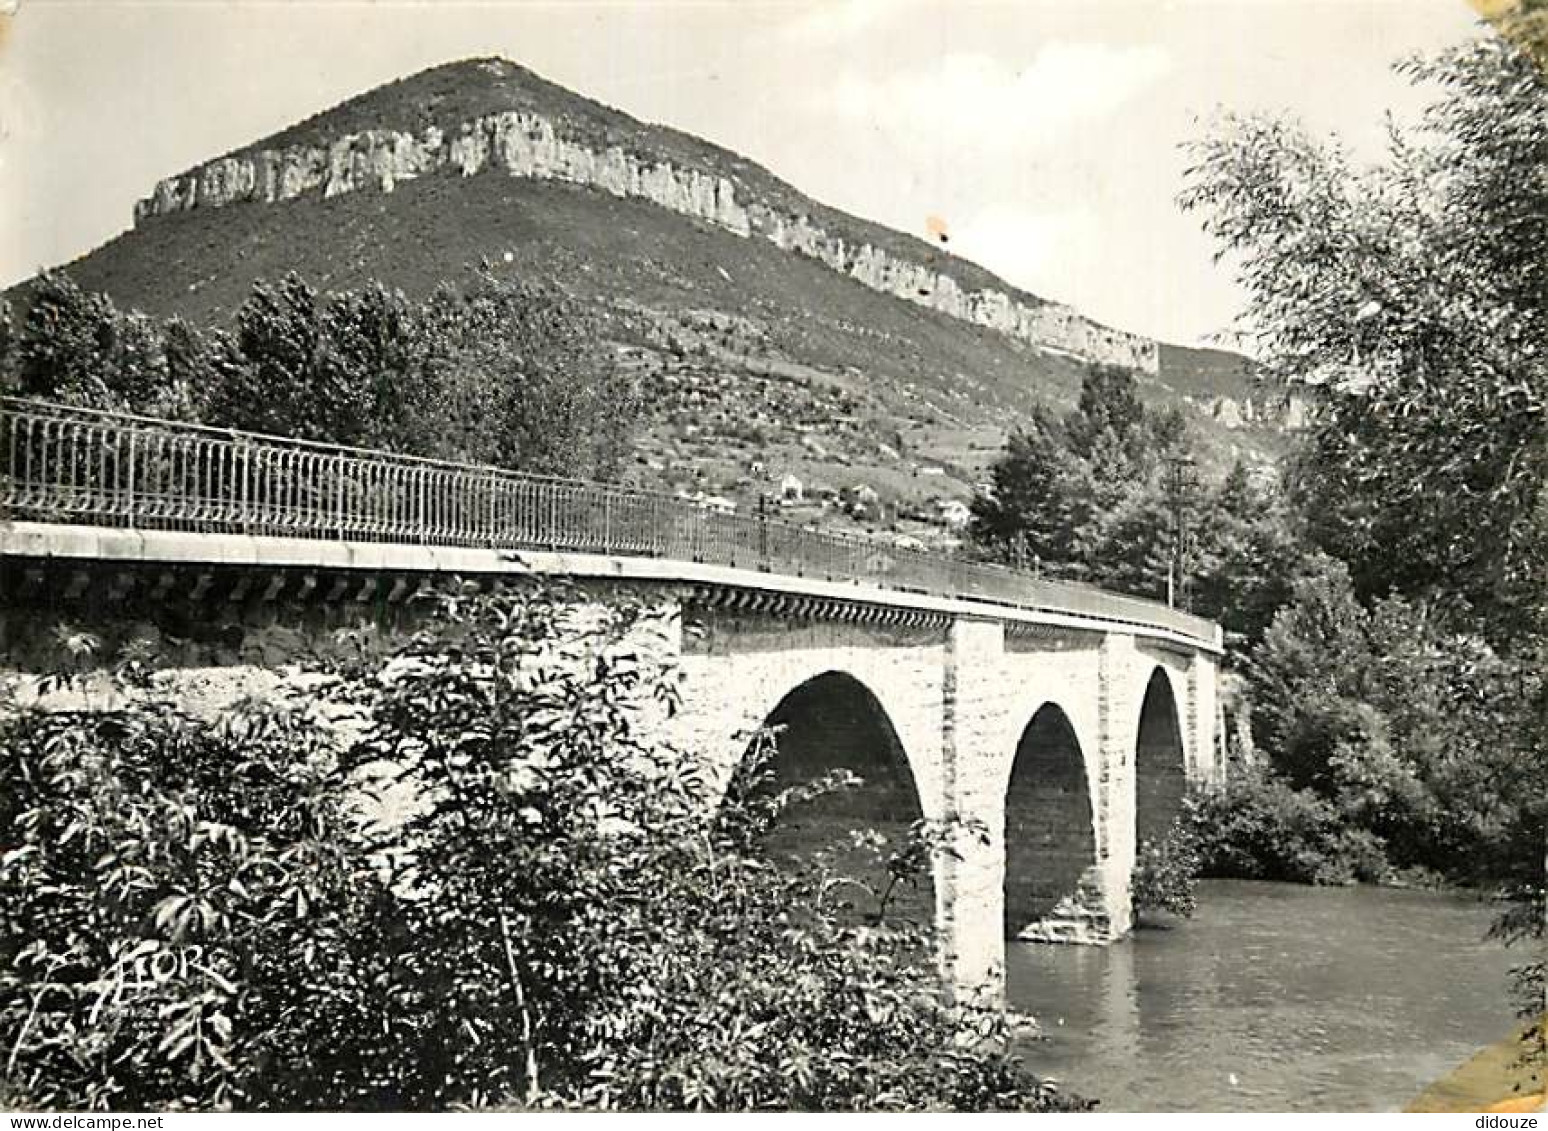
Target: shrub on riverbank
{"type": "Point", "coordinates": [1393, 733]}
{"type": "Point", "coordinates": [1259, 827]}
{"type": "Point", "coordinates": [194, 914]}
{"type": "Point", "coordinates": [1166, 872]}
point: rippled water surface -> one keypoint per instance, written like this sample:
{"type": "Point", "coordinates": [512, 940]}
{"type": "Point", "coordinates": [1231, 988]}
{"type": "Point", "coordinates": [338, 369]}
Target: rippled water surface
{"type": "Point", "coordinates": [1274, 997]}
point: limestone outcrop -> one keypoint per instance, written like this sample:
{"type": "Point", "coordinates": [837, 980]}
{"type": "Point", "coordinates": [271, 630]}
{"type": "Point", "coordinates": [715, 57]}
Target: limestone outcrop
{"type": "Point", "coordinates": [528, 145]}
{"type": "Point", "coordinates": [1286, 412]}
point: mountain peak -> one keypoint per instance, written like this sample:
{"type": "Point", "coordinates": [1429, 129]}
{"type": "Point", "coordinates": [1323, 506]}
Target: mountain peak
{"type": "Point", "coordinates": [444, 95]}
{"type": "Point", "coordinates": [492, 116]}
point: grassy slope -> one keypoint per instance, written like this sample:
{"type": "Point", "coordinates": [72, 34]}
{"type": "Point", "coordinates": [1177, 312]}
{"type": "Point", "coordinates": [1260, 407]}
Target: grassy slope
{"type": "Point", "coordinates": [1191, 371]}
{"type": "Point", "coordinates": [202, 263]}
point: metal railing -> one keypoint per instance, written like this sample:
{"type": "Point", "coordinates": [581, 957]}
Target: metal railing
{"type": "Point", "coordinates": [61, 464]}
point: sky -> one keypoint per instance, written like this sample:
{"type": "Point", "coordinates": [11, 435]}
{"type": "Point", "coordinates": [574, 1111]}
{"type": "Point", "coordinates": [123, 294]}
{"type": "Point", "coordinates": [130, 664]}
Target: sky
{"type": "Point", "coordinates": [1045, 134]}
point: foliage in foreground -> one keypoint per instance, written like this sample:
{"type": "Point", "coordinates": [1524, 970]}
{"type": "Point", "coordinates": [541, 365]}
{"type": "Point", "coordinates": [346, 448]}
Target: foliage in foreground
{"type": "Point", "coordinates": [196, 914]}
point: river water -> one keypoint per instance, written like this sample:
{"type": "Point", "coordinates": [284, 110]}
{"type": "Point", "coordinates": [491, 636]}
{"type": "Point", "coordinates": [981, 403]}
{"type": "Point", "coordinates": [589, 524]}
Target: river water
{"type": "Point", "coordinates": [1273, 997]}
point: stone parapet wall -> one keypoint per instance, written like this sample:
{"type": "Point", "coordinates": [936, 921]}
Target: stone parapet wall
{"type": "Point", "coordinates": [528, 145]}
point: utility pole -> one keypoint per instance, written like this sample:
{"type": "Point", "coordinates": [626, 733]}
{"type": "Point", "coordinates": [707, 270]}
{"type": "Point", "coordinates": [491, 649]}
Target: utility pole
{"type": "Point", "coordinates": [1019, 550]}
{"type": "Point", "coordinates": [1181, 484]}
{"type": "Point", "coordinates": [763, 530]}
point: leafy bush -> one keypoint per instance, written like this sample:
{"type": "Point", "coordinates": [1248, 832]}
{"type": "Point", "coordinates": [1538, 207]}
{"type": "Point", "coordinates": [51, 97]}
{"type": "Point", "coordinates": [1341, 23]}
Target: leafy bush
{"type": "Point", "coordinates": [199, 914]}
{"type": "Point", "coordinates": [1166, 873]}
{"type": "Point", "coordinates": [1412, 728]}
{"type": "Point", "coordinates": [1259, 827]}
{"type": "Point", "coordinates": [177, 900]}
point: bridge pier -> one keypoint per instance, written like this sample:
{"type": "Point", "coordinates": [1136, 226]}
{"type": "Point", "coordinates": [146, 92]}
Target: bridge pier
{"type": "Point", "coordinates": [1117, 709]}
{"type": "Point", "coordinates": [975, 707]}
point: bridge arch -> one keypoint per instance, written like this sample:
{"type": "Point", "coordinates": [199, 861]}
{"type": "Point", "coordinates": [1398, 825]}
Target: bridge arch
{"type": "Point", "coordinates": [833, 721]}
{"type": "Point", "coordinates": [1050, 832]}
{"type": "Point", "coordinates": [1160, 761]}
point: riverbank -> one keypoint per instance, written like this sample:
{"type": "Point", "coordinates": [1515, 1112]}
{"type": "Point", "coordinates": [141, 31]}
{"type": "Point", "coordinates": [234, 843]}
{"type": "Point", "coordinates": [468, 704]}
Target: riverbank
{"type": "Point", "coordinates": [1506, 1076]}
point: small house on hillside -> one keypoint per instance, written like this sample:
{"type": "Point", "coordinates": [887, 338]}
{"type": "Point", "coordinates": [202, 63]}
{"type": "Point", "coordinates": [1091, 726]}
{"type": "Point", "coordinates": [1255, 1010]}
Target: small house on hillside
{"type": "Point", "coordinates": [861, 501]}
{"type": "Point", "coordinates": [790, 488]}
{"type": "Point", "coordinates": [953, 513]}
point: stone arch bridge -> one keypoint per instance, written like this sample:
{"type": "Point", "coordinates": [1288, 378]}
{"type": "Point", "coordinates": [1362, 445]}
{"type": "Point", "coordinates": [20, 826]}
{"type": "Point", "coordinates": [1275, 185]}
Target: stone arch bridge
{"type": "Point", "coordinates": [1065, 722]}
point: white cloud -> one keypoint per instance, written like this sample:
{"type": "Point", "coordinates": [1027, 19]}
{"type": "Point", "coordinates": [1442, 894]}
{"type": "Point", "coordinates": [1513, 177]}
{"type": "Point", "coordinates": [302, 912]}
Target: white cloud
{"type": "Point", "coordinates": [981, 101]}
{"type": "Point", "coordinates": [1032, 250]}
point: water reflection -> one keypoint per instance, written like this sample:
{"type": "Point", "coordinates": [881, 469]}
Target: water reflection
{"type": "Point", "coordinates": [1274, 997]}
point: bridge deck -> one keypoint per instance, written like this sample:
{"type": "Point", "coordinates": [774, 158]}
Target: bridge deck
{"type": "Point", "coordinates": [76, 483]}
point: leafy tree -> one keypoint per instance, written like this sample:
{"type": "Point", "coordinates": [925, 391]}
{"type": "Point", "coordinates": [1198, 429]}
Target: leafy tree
{"type": "Point", "coordinates": [1410, 298]}
{"type": "Point", "coordinates": [60, 348]}
{"type": "Point", "coordinates": [1029, 511]}
{"type": "Point", "coordinates": [1247, 558]}
{"type": "Point", "coordinates": [290, 384]}
{"type": "Point", "coordinates": [1420, 735]}
{"type": "Point", "coordinates": [512, 374]}
{"type": "Point", "coordinates": [530, 377]}
{"type": "Point", "coordinates": [1468, 720]}
{"type": "Point", "coordinates": [370, 342]}
{"type": "Point", "coordinates": [79, 348]}
{"type": "Point", "coordinates": [1308, 678]}
{"type": "Point", "coordinates": [1109, 405]}
{"type": "Point", "coordinates": [199, 362]}
{"type": "Point", "coordinates": [1078, 496]}
{"type": "Point", "coordinates": [1129, 547]}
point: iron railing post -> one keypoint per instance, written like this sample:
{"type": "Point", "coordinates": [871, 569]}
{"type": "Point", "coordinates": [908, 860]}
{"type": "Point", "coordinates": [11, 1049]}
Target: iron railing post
{"type": "Point", "coordinates": [130, 503]}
